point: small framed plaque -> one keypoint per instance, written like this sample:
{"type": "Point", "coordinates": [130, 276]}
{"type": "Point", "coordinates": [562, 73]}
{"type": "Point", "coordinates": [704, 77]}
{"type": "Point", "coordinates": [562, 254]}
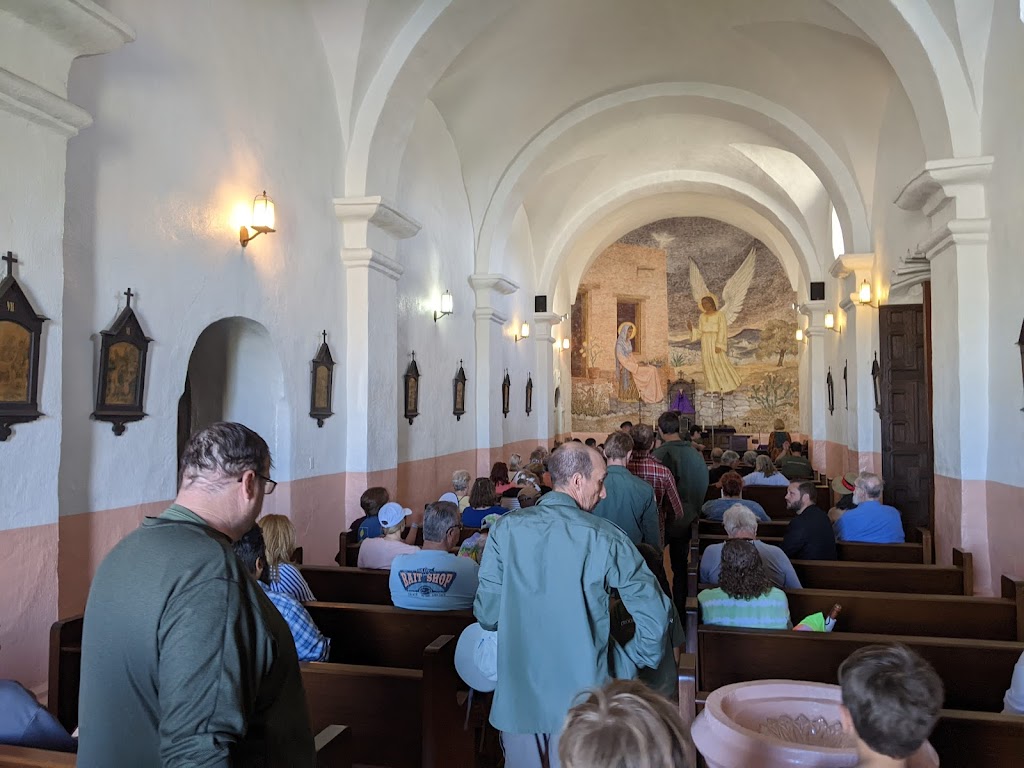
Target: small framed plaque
{"type": "Point", "coordinates": [411, 390]}
{"type": "Point", "coordinates": [321, 392]}
{"type": "Point", "coordinates": [459, 393]}
{"type": "Point", "coordinates": [506, 389]}
{"type": "Point", "coordinates": [20, 335]}
{"type": "Point", "coordinates": [529, 394]}
{"type": "Point", "coordinates": [121, 384]}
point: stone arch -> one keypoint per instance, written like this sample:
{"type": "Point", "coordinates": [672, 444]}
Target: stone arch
{"type": "Point", "coordinates": [235, 374]}
{"type": "Point", "coordinates": [802, 139]}
{"type": "Point", "coordinates": [799, 260]}
{"type": "Point", "coordinates": [907, 32]}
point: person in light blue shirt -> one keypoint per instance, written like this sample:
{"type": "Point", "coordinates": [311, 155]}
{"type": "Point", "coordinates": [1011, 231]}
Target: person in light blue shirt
{"type": "Point", "coordinates": [870, 521]}
{"type": "Point", "coordinates": [434, 579]}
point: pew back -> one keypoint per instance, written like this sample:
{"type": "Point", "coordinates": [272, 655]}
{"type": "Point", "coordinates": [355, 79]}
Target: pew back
{"type": "Point", "coordinates": [979, 738]}
{"type": "Point", "coordinates": [848, 551]}
{"type": "Point", "coordinates": [382, 635]}
{"type": "Point", "coordinates": [889, 577]}
{"type": "Point", "coordinates": [975, 673]}
{"type": "Point", "coordinates": [65, 670]}
{"type": "Point", "coordinates": [341, 584]}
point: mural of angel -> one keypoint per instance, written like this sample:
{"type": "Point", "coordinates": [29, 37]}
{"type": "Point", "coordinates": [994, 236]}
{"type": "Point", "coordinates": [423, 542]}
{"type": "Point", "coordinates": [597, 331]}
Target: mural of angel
{"type": "Point", "coordinates": [636, 380]}
{"type": "Point", "coordinates": [713, 327]}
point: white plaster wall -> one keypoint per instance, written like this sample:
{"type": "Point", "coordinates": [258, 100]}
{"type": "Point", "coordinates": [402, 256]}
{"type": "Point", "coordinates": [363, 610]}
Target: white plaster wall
{"type": "Point", "coordinates": [523, 358]}
{"type": "Point", "coordinates": [438, 258]}
{"type": "Point", "coordinates": [1002, 120]}
{"type": "Point", "coordinates": [31, 225]}
{"type": "Point", "coordinates": [212, 104]}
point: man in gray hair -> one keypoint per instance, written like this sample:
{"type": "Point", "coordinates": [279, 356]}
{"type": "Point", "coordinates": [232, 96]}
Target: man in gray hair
{"type": "Point", "coordinates": [741, 523]}
{"type": "Point", "coordinates": [460, 484]}
{"type": "Point", "coordinates": [871, 520]}
{"type": "Point", "coordinates": [544, 582]}
{"type": "Point", "coordinates": [185, 661]}
{"type": "Point", "coordinates": [434, 579]}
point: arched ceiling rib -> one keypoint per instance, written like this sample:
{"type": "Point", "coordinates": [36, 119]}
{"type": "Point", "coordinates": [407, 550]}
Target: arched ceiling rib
{"type": "Point", "coordinates": [737, 104]}
{"type": "Point", "coordinates": [618, 221]}
{"type": "Point", "coordinates": [907, 32]}
{"type": "Point", "coordinates": [798, 260]}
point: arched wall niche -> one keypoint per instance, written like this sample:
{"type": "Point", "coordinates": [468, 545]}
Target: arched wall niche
{"type": "Point", "coordinates": [235, 374]}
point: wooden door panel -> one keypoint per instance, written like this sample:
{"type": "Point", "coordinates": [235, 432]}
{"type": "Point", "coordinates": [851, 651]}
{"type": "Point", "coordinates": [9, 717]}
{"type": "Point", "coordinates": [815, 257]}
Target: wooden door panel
{"type": "Point", "coordinates": [906, 414]}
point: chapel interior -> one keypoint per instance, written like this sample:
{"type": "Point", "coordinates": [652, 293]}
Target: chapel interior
{"type": "Point", "coordinates": [535, 193]}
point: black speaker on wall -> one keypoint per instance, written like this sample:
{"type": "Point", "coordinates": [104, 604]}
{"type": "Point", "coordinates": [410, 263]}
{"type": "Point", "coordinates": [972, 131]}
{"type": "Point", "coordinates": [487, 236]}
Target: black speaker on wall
{"type": "Point", "coordinates": [540, 303]}
{"type": "Point", "coordinates": [817, 291]}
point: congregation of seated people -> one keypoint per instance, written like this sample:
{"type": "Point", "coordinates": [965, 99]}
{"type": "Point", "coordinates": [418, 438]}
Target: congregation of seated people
{"type": "Point", "coordinates": [590, 528]}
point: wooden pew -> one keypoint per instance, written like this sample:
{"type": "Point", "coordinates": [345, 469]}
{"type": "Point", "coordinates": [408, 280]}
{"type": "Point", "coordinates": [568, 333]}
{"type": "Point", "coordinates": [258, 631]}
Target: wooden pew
{"type": "Point", "coordinates": [333, 750]}
{"type": "Point", "coordinates": [978, 739]}
{"type": "Point", "coordinates": [774, 529]}
{"type": "Point", "coordinates": [430, 732]}
{"type": "Point", "coordinates": [336, 584]}
{"type": "Point", "coordinates": [886, 613]}
{"type": "Point", "coordinates": [975, 673]}
{"type": "Point", "coordinates": [348, 550]}
{"type": "Point", "coordinates": [773, 498]}
{"type": "Point", "coordinates": [957, 579]}
{"type": "Point", "coordinates": [848, 551]}
{"type": "Point", "coordinates": [333, 741]}
{"type": "Point", "coordinates": [382, 635]}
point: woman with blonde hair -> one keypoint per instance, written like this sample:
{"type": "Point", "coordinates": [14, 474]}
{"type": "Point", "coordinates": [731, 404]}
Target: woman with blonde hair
{"type": "Point", "coordinates": [283, 577]}
{"type": "Point", "coordinates": [765, 473]}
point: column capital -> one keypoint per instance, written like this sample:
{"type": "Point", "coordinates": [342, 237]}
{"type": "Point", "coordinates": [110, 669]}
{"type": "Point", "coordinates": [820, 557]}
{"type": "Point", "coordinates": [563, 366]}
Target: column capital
{"type": "Point", "coordinates": [851, 263]}
{"type": "Point", "coordinates": [483, 284]}
{"type": "Point", "coordinates": [372, 222]}
{"type": "Point", "coordinates": [942, 180]}
{"type": "Point", "coordinates": [354, 258]}
{"type": "Point", "coordinates": [815, 312]}
{"type": "Point", "coordinates": [489, 314]}
{"type": "Point", "coordinates": [544, 322]}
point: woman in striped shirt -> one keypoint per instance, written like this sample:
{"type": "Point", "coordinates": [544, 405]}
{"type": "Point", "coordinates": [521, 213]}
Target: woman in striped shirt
{"type": "Point", "coordinates": [279, 535]}
{"type": "Point", "coordinates": [745, 596]}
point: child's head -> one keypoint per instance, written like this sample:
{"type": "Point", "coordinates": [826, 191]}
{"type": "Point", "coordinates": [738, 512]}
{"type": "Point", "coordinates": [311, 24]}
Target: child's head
{"type": "Point", "coordinates": [891, 698]}
{"type": "Point", "coordinates": [624, 723]}
{"type": "Point", "coordinates": [373, 499]}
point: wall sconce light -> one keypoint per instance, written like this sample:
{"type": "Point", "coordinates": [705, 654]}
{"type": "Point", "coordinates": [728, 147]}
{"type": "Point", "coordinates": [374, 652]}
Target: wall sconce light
{"type": "Point", "coordinates": [565, 343]}
{"type": "Point", "coordinates": [262, 219]}
{"type": "Point", "coordinates": [799, 334]}
{"type": "Point", "coordinates": [830, 322]}
{"type": "Point", "coordinates": [524, 333]}
{"type": "Point", "coordinates": [864, 294]}
{"type": "Point", "coordinates": [446, 306]}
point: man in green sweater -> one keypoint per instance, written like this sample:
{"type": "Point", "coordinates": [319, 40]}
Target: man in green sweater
{"type": "Point", "coordinates": [629, 501]}
{"type": "Point", "coordinates": [691, 474]}
{"type": "Point", "coordinates": [185, 662]}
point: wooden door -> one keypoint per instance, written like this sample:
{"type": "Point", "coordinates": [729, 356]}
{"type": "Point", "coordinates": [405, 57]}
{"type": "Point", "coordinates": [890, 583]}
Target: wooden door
{"type": "Point", "coordinates": [905, 400]}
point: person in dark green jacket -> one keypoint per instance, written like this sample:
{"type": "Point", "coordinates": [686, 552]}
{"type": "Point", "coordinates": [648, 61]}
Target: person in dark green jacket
{"type": "Point", "coordinates": [691, 474]}
{"type": "Point", "coordinates": [629, 501]}
{"type": "Point", "coordinates": [185, 662]}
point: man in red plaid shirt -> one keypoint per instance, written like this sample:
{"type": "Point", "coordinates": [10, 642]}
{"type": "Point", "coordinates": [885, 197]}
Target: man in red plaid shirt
{"type": "Point", "coordinates": [647, 468]}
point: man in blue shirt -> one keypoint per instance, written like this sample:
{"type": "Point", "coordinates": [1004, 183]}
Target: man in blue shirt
{"type": "Point", "coordinates": [434, 579]}
{"type": "Point", "coordinates": [310, 644]}
{"type": "Point", "coordinates": [871, 521]}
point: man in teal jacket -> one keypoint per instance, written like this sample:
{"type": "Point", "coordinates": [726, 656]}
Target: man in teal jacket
{"type": "Point", "coordinates": [629, 501]}
{"type": "Point", "coordinates": [691, 474]}
{"type": "Point", "coordinates": [544, 584]}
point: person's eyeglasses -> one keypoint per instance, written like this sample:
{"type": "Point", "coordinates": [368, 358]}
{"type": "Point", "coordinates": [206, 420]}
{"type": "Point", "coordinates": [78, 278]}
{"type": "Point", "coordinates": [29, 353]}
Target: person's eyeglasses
{"type": "Point", "coordinates": [456, 527]}
{"type": "Point", "coordinates": [268, 484]}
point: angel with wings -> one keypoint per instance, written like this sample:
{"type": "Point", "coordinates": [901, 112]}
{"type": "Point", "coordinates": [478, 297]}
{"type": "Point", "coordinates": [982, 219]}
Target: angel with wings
{"type": "Point", "coordinates": [713, 327]}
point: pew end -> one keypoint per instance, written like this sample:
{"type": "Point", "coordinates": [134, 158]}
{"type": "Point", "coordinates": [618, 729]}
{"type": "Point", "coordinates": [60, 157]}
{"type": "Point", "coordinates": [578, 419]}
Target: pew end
{"type": "Point", "coordinates": [334, 747]}
{"type": "Point", "coordinates": [23, 757]}
{"type": "Point", "coordinates": [1013, 589]}
{"type": "Point", "coordinates": [687, 673]}
{"type": "Point", "coordinates": [965, 561]}
{"type": "Point", "coordinates": [927, 546]}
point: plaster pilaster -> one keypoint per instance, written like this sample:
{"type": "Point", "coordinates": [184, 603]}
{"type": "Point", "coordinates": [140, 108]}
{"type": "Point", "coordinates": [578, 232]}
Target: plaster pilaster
{"type": "Point", "coordinates": [816, 366]}
{"type": "Point", "coordinates": [544, 376]}
{"type": "Point", "coordinates": [490, 321]}
{"type": "Point", "coordinates": [374, 360]}
{"type": "Point", "coordinates": [951, 194]}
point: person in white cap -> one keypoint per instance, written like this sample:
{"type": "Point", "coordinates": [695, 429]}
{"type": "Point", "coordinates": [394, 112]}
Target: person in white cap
{"type": "Point", "coordinates": [379, 552]}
